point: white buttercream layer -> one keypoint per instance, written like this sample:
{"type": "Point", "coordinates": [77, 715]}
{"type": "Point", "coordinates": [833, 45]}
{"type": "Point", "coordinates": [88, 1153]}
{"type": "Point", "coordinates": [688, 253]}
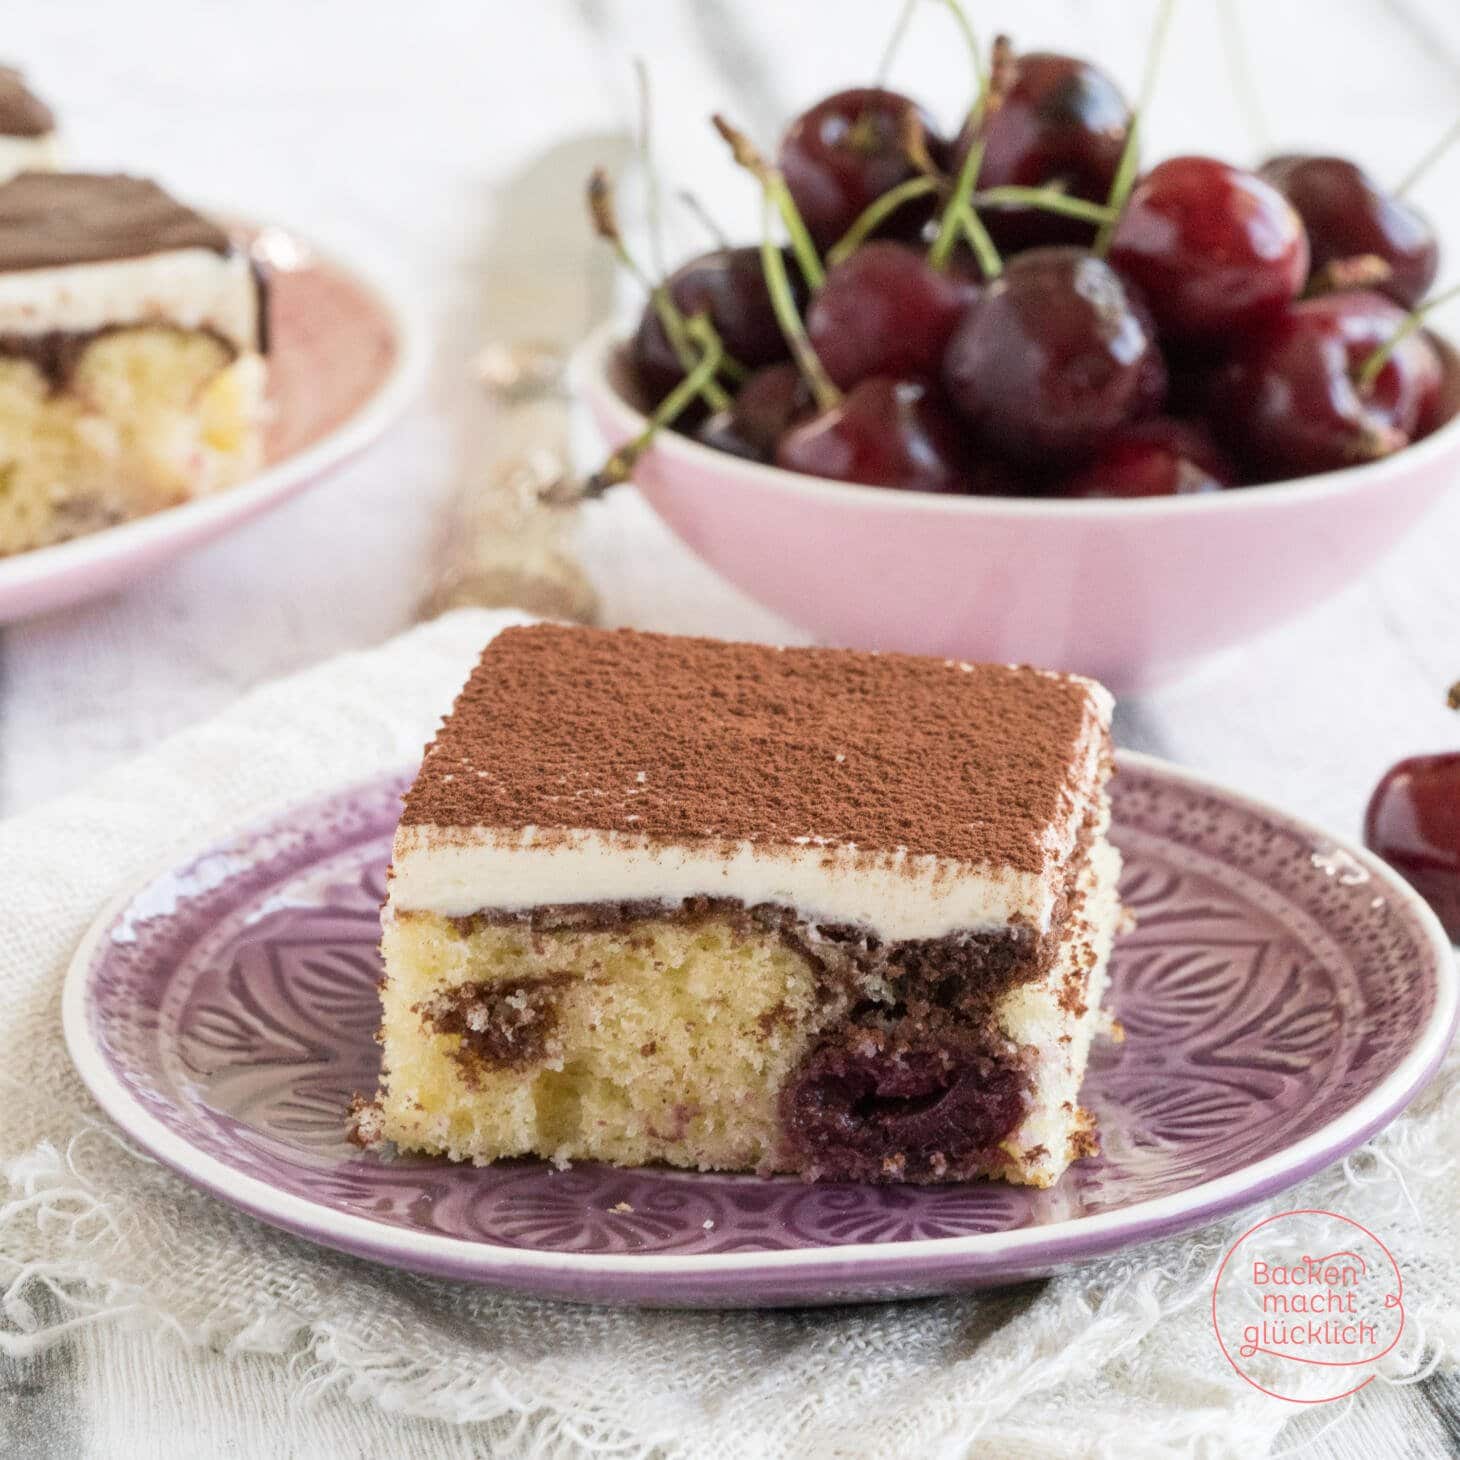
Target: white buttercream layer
{"type": "Point", "coordinates": [1041, 1015]}
{"type": "Point", "coordinates": [456, 871]}
{"type": "Point", "coordinates": [895, 895]}
{"type": "Point", "coordinates": [28, 154]}
{"type": "Point", "coordinates": [188, 288]}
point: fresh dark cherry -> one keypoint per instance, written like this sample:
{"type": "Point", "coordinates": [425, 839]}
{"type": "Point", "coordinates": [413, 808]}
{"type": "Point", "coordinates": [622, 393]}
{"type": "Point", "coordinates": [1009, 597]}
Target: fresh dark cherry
{"type": "Point", "coordinates": [1350, 219]}
{"type": "Point", "coordinates": [871, 1104]}
{"type": "Point", "coordinates": [1215, 250]}
{"type": "Point", "coordinates": [847, 151]}
{"type": "Point", "coordinates": [1162, 457]}
{"type": "Point", "coordinates": [1413, 822]}
{"type": "Point", "coordinates": [763, 410]}
{"type": "Point", "coordinates": [1062, 122]}
{"type": "Point", "coordinates": [728, 285]}
{"type": "Point", "coordinates": [885, 432]}
{"type": "Point", "coordinates": [1054, 357]}
{"type": "Point", "coordinates": [1291, 402]}
{"type": "Point", "coordinates": [886, 311]}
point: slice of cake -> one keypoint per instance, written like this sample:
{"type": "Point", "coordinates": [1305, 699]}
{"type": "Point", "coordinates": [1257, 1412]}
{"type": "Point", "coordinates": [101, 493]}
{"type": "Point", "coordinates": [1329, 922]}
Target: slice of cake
{"type": "Point", "coordinates": [742, 908]}
{"type": "Point", "coordinates": [132, 332]}
{"type": "Point", "coordinates": [27, 128]}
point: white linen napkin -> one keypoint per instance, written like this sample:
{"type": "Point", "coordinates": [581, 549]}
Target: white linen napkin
{"type": "Point", "coordinates": [1115, 1357]}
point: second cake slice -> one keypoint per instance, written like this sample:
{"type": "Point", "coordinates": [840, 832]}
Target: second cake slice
{"type": "Point", "coordinates": [132, 338]}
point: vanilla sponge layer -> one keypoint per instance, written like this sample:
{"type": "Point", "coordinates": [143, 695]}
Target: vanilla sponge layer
{"type": "Point", "coordinates": [146, 418]}
{"type": "Point", "coordinates": [671, 1041]}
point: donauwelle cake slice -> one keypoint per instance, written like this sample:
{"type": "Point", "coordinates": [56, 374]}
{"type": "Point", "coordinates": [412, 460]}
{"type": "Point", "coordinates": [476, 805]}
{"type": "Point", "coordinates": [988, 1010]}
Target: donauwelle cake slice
{"type": "Point", "coordinates": [735, 907]}
{"type": "Point", "coordinates": [132, 337]}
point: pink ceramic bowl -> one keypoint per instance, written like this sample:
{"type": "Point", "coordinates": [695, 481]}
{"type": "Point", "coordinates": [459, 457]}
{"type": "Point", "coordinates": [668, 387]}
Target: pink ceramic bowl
{"type": "Point", "coordinates": [1135, 592]}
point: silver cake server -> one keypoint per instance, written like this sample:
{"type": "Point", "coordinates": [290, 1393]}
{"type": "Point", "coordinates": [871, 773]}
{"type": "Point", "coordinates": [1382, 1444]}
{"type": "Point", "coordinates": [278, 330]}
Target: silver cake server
{"type": "Point", "coordinates": [547, 281]}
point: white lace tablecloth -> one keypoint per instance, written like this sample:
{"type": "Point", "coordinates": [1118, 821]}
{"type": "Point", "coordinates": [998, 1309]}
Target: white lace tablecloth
{"type": "Point", "coordinates": [141, 1319]}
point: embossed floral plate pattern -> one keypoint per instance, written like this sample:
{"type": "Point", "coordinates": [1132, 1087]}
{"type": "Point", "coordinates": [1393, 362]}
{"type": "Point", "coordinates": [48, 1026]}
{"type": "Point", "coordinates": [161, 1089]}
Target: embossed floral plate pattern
{"type": "Point", "coordinates": [1283, 997]}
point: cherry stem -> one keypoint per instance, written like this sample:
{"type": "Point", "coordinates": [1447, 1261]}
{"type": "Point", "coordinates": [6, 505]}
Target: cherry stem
{"type": "Point", "coordinates": [1239, 63]}
{"type": "Point", "coordinates": [894, 41]}
{"type": "Point", "coordinates": [1452, 696]}
{"type": "Point", "coordinates": [619, 466]}
{"type": "Point", "coordinates": [1448, 140]}
{"type": "Point", "coordinates": [968, 221]}
{"type": "Point", "coordinates": [1368, 372]}
{"type": "Point", "coordinates": [774, 186]}
{"type": "Point", "coordinates": [705, 218]}
{"type": "Point", "coordinates": [1047, 200]}
{"type": "Point", "coordinates": [875, 214]}
{"type": "Point", "coordinates": [783, 301]}
{"type": "Point", "coordinates": [605, 224]}
{"type": "Point", "coordinates": [959, 216]}
{"type": "Point", "coordinates": [1125, 171]}
{"type": "Point", "coordinates": [1362, 271]}
{"type": "Point", "coordinates": [1003, 72]}
{"type": "Point", "coordinates": [913, 139]}
{"type": "Point", "coordinates": [653, 206]}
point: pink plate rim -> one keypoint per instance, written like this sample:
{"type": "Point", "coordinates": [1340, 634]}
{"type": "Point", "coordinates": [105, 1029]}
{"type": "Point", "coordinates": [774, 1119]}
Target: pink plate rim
{"type": "Point", "coordinates": [591, 372]}
{"type": "Point", "coordinates": [104, 553]}
{"type": "Point", "coordinates": [528, 1269]}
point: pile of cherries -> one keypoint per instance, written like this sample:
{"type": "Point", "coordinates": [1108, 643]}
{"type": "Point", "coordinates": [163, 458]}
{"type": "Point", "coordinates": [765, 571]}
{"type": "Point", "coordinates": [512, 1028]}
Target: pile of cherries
{"type": "Point", "coordinates": [1194, 328]}
{"type": "Point", "coordinates": [1413, 822]}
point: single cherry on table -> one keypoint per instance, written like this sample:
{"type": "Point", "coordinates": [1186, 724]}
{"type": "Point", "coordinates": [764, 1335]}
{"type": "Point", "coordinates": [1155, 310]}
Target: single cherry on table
{"type": "Point", "coordinates": [1215, 250]}
{"type": "Point", "coordinates": [1413, 822]}
{"type": "Point", "coordinates": [1356, 230]}
{"type": "Point", "coordinates": [848, 150]}
{"type": "Point", "coordinates": [886, 311]}
{"type": "Point", "coordinates": [1054, 356]}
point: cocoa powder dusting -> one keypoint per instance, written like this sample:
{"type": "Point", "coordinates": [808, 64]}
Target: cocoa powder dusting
{"type": "Point", "coordinates": [565, 728]}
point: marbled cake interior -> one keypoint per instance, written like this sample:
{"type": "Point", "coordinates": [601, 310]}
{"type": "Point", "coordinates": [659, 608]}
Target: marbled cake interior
{"type": "Point", "coordinates": [719, 1037]}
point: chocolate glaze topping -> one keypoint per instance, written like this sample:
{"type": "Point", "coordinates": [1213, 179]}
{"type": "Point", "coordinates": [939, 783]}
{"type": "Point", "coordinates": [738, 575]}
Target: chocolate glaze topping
{"type": "Point", "coordinates": [51, 219]}
{"type": "Point", "coordinates": [22, 112]}
{"type": "Point", "coordinates": [675, 738]}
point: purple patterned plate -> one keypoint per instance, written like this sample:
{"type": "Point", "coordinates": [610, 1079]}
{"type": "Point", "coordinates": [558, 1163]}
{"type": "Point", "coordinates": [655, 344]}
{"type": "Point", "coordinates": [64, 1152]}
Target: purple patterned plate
{"type": "Point", "coordinates": [1283, 998]}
